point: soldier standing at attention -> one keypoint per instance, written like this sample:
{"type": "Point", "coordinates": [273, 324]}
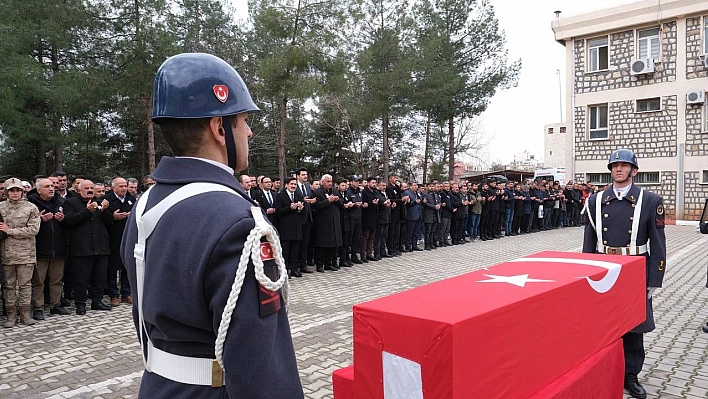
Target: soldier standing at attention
{"type": "Point", "coordinates": [626, 220]}
{"type": "Point", "coordinates": [211, 324]}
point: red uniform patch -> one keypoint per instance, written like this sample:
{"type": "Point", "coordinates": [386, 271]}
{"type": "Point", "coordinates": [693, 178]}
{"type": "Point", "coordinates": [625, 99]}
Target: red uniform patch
{"type": "Point", "coordinates": [221, 92]}
{"type": "Point", "coordinates": [266, 251]}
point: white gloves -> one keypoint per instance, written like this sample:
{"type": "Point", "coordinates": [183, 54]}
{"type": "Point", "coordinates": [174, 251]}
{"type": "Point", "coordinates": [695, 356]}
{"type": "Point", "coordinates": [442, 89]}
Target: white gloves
{"type": "Point", "coordinates": [650, 291]}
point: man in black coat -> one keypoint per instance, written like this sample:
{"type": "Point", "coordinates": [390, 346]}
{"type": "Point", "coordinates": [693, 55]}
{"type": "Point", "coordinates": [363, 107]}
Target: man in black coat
{"type": "Point", "coordinates": [445, 213]}
{"type": "Point", "coordinates": [353, 215]}
{"type": "Point", "coordinates": [88, 221]}
{"type": "Point", "coordinates": [327, 223]}
{"type": "Point", "coordinates": [346, 203]}
{"type": "Point", "coordinates": [369, 219]}
{"type": "Point", "coordinates": [289, 207]}
{"type": "Point", "coordinates": [308, 199]}
{"type": "Point", "coordinates": [384, 208]}
{"type": "Point", "coordinates": [393, 192]}
{"type": "Point", "coordinates": [120, 203]}
{"type": "Point", "coordinates": [431, 215]}
{"type": "Point", "coordinates": [51, 249]}
{"type": "Point", "coordinates": [267, 198]}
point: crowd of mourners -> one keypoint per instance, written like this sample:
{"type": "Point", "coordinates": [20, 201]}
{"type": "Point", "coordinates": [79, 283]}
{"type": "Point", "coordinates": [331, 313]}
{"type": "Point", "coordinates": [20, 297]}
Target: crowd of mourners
{"type": "Point", "coordinates": [61, 242]}
{"type": "Point", "coordinates": [329, 224]}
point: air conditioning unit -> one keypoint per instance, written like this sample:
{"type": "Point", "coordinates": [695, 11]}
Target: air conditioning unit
{"type": "Point", "coordinates": [642, 66]}
{"type": "Point", "coordinates": [696, 97]}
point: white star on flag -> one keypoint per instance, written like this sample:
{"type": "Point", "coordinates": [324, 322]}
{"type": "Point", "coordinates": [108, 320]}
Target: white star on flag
{"type": "Point", "coordinates": [519, 280]}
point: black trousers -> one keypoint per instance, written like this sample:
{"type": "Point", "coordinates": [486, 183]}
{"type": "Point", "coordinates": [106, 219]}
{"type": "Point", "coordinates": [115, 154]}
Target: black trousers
{"type": "Point", "coordinates": [304, 244]}
{"type": "Point", "coordinates": [291, 249]}
{"type": "Point", "coordinates": [89, 269]}
{"type": "Point", "coordinates": [380, 239]}
{"type": "Point", "coordinates": [526, 223]}
{"type": "Point", "coordinates": [428, 234]}
{"type": "Point", "coordinates": [325, 256]}
{"type": "Point", "coordinates": [633, 352]}
{"type": "Point", "coordinates": [116, 267]}
{"type": "Point", "coordinates": [483, 222]}
{"type": "Point", "coordinates": [455, 229]}
{"type": "Point", "coordinates": [394, 235]}
{"type": "Point", "coordinates": [354, 242]}
{"type": "Point", "coordinates": [412, 231]}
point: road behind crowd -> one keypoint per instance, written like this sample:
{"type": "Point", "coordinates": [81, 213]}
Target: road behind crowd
{"type": "Point", "coordinates": [97, 355]}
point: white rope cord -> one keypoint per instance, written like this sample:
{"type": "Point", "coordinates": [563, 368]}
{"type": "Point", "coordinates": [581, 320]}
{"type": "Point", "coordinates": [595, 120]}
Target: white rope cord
{"type": "Point", "coordinates": [251, 249]}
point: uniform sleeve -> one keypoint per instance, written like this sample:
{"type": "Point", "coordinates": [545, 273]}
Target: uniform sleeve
{"type": "Point", "coordinates": [656, 263]}
{"type": "Point", "coordinates": [590, 236]}
{"type": "Point", "coordinates": [259, 358]}
{"type": "Point", "coordinates": [32, 227]}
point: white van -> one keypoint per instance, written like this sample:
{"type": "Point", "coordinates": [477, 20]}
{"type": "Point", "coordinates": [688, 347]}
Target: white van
{"type": "Point", "coordinates": [550, 174]}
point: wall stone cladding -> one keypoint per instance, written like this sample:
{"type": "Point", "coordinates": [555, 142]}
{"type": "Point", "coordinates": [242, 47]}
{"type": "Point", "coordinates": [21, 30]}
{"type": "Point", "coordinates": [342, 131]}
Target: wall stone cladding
{"type": "Point", "coordinates": [648, 134]}
{"type": "Point", "coordinates": [696, 138]}
{"type": "Point", "coordinates": [667, 189]}
{"type": "Point", "coordinates": [621, 53]}
{"type": "Point", "coordinates": [694, 49]}
{"type": "Point", "coordinates": [695, 195]}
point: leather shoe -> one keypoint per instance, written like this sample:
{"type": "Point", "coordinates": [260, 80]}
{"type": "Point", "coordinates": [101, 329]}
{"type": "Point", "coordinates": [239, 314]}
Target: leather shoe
{"type": "Point", "coordinates": [100, 306]}
{"type": "Point", "coordinates": [320, 269]}
{"type": "Point", "coordinates": [371, 258]}
{"type": "Point", "coordinates": [296, 273]}
{"type": "Point", "coordinates": [636, 390]}
{"type": "Point", "coordinates": [331, 268]}
{"type": "Point", "coordinates": [345, 264]}
{"type": "Point", "coordinates": [127, 299]}
{"type": "Point", "coordinates": [705, 328]}
{"type": "Point", "coordinates": [306, 270]}
{"type": "Point", "coordinates": [38, 314]}
{"type": "Point", "coordinates": [114, 302]}
{"type": "Point", "coordinates": [65, 302]}
{"type": "Point", "coordinates": [417, 248]}
{"type": "Point", "coordinates": [59, 310]}
{"type": "Point", "coordinates": [81, 311]}
{"type": "Point", "coordinates": [364, 259]}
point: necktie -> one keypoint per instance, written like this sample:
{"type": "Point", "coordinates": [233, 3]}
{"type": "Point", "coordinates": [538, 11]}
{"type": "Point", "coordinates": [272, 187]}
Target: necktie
{"type": "Point", "coordinates": [292, 198]}
{"type": "Point", "coordinates": [270, 200]}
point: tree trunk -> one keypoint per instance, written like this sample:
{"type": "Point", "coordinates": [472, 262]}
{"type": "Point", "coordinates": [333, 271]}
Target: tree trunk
{"type": "Point", "coordinates": [384, 154]}
{"type": "Point", "coordinates": [56, 125]}
{"type": "Point", "coordinates": [451, 150]}
{"type": "Point", "coordinates": [426, 154]}
{"type": "Point", "coordinates": [150, 135]}
{"type": "Point", "coordinates": [41, 158]}
{"type": "Point", "coordinates": [280, 139]}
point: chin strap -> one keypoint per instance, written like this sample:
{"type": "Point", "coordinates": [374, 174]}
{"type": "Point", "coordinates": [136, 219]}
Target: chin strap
{"type": "Point", "coordinates": [230, 142]}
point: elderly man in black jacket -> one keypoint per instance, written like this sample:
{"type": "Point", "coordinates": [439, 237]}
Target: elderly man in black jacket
{"type": "Point", "coordinates": [120, 203]}
{"type": "Point", "coordinates": [51, 249]}
{"type": "Point", "coordinates": [88, 221]}
{"type": "Point", "coordinates": [327, 224]}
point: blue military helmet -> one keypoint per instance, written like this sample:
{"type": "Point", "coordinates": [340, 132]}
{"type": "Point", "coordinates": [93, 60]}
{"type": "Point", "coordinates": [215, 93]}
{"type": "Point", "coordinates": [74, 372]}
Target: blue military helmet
{"type": "Point", "coordinates": [622, 155]}
{"type": "Point", "coordinates": [198, 85]}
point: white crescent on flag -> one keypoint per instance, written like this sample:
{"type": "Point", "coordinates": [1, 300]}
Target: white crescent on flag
{"type": "Point", "coordinates": [602, 286]}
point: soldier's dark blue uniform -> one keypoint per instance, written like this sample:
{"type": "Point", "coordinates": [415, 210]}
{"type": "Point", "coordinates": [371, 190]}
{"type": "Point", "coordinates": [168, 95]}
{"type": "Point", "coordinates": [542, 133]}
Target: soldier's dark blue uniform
{"type": "Point", "coordinates": [192, 256]}
{"type": "Point", "coordinates": [616, 227]}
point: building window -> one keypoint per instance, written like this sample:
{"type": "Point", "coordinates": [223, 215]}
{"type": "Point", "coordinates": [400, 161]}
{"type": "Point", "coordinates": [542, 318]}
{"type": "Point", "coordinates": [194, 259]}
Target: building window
{"type": "Point", "coordinates": [562, 129]}
{"type": "Point", "coordinates": [599, 179]}
{"type": "Point", "coordinates": [598, 121]}
{"type": "Point", "coordinates": [705, 177]}
{"type": "Point", "coordinates": [550, 152]}
{"type": "Point", "coordinates": [705, 35]}
{"type": "Point", "coordinates": [648, 43]}
{"type": "Point", "coordinates": [646, 178]}
{"type": "Point", "coordinates": [550, 130]}
{"type": "Point", "coordinates": [597, 54]}
{"type": "Point", "coordinates": [649, 104]}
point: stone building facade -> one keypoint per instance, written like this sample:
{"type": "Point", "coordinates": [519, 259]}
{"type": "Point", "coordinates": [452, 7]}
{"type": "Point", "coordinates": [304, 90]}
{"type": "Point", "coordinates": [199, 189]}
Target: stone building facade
{"type": "Point", "coordinates": [554, 139]}
{"type": "Point", "coordinates": [614, 103]}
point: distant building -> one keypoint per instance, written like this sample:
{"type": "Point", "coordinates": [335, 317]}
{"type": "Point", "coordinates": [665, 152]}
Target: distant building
{"type": "Point", "coordinates": [638, 75]}
{"type": "Point", "coordinates": [554, 142]}
{"type": "Point", "coordinates": [524, 161]}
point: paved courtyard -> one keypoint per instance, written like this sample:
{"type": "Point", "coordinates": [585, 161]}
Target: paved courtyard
{"type": "Point", "coordinates": [97, 355]}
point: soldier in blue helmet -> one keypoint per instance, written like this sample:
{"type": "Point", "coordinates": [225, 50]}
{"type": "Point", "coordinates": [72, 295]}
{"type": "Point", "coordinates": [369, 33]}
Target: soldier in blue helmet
{"type": "Point", "coordinates": [211, 322]}
{"type": "Point", "coordinates": [624, 219]}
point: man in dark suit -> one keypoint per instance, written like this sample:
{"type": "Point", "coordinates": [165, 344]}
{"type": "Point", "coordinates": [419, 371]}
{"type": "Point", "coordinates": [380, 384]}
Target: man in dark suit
{"type": "Point", "coordinates": [384, 220]}
{"type": "Point", "coordinates": [346, 204]}
{"type": "Point", "coordinates": [353, 215]}
{"type": "Point", "coordinates": [431, 215]}
{"type": "Point", "coordinates": [414, 216]}
{"type": "Point", "coordinates": [308, 200]}
{"type": "Point", "coordinates": [445, 213]}
{"type": "Point", "coordinates": [120, 203]}
{"type": "Point", "coordinates": [327, 223]}
{"type": "Point", "coordinates": [88, 221]}
{"type": "Point", "coordinates": [457, 215]}
{"type": "Point", "coordinates": [267, 198]}
{"type": "Point", "coordinates": [393, 192]}
{"type": "Point", "coordinates": [369, 219]}
{"type": "Point", "coordinates": [289, 207]}
{"type": "Point", "coordinates": [621, 209]}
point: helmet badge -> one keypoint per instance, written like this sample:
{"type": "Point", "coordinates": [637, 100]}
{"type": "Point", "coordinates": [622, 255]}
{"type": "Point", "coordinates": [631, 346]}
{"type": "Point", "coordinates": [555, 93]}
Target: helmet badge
{"type": "Point", "coordinates": [221, 92]}
{"type": "Point", "coordinates": [617, 155]}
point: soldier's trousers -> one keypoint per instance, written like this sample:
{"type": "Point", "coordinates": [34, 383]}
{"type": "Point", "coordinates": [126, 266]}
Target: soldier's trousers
{"type": "Point", "coordinates": [633, 352]}
{"type": "Point", "coordinates": [354, 242]}
{"type": "Point", "coordinates": [18, 278]}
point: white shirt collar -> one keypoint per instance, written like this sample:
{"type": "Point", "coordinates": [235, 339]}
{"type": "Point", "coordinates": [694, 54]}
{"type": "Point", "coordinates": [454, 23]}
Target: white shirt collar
{"type": "Point", "coordinates": [213, 162]}
{"type": "Point", "coordinates": [621, 192]}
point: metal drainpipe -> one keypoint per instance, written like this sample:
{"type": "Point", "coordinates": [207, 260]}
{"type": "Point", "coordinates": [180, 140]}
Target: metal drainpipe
{"type": "Point", "coordinates": [680, 182]}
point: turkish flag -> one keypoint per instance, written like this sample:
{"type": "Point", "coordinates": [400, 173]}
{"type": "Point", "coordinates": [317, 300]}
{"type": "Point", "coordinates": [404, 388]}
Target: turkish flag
{"type": "Point", "coordinates": [266, 251]}
{"type": "Point", "coordinates": [502, 332]}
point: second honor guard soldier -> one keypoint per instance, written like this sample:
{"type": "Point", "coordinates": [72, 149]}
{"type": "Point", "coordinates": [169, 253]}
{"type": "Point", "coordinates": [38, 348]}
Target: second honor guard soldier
{"type": "Point", "coordinates": [626, 220]}
{"type": "Point", "coordinates": [183, 243]}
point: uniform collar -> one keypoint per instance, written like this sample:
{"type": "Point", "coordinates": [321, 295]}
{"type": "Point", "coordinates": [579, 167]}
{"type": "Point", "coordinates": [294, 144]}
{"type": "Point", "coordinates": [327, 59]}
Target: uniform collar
{"type": "Point", "coordinates": [632, 195]}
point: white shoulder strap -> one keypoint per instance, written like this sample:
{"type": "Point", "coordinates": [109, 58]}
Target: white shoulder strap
{"type": "Point", "coordinates": [598, 221]}
{"type": "Point", "coordinates": [195, 370]}
{"type": "Point", "coordinates": [635, 220]}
